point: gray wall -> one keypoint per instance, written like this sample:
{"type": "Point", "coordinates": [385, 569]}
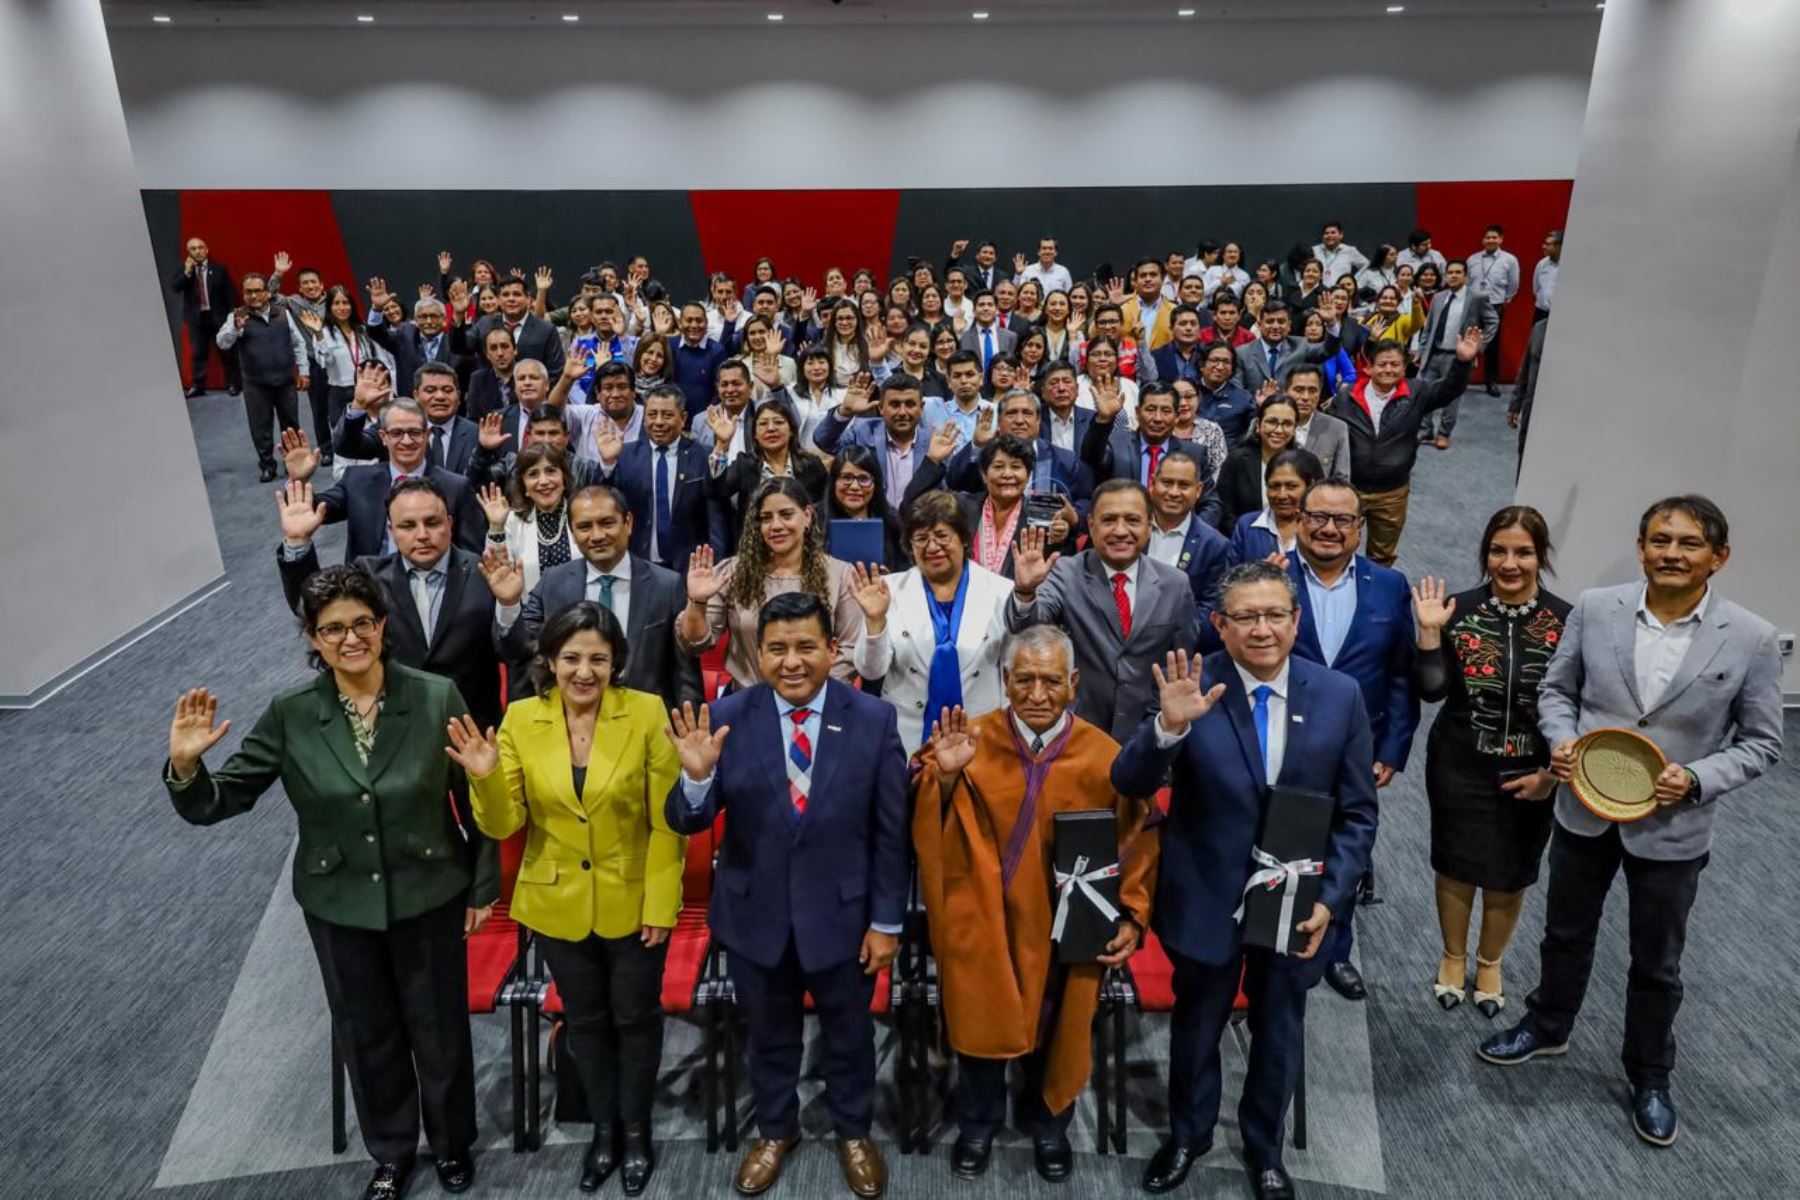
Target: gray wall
{"type": "Point", "coordinates": [1671, 362]}
{"type": "Point", "coordinates": [107, 526]}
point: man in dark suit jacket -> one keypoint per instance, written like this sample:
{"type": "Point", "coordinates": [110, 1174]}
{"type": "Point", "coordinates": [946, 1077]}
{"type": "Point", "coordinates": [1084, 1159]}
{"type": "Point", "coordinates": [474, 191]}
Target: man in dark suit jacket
{"type": "Point", "coordinates": [1247, 719]}
{"type": "Point", "coordinates": [360, 494]}
{"type": "Point", "coordinates": [812, 882]}
{"type": "Point", "coordinates": [491, 386]}
{"type": "Point", "coordinates": [1113, 450]}
{"type": "Point", "coordinates": [1180, 536]}
{"type": "Point", "coordinates": [1275, 353]}
{"type": "Point", "coordinates": [413, 343]}
{"type": "Point", "coordinates": [1356, 618]}
{"type": "Point", "coordinates": [987, 335]}
{"type": "Point", "coordinates": [459, 644]}
{"type": "Point", "coordinates": [1065, 423]}
{"type": "Point", "coordinates": [983, 270]}
{"type": "Point", "coordinates": [207, 298]}
{"type": "Point", "coordinates": [1222, 400]}
{"type": "Point", "coordinates": [668, 527]}
{"type": "Point", "coordinates": [534, 336]}
{"type": "Point", "coordinates": [450, 440]}
{"type": "Point", "coordinates": [647, 597]}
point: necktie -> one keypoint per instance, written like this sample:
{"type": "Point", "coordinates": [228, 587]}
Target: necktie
{"type": "Point", "coordinates": [987, 346]}
{"type": "Point", "coordinates": [799, 770]}
{"type": "Point", "coordinates": [1260, 714]}
{"type": "Point", "coordinates": [665, 530]}
{"type": "Point", "coordinates": [200, 273]}
{"type": "Point", "coordinates": [1037, 744]}
{"type": "Point", "coordinates": [421, 594]}
{"type": "Point", "coordinates": [1274, 354]}
{"type": "Point", "coordinates": [1156, 453]}
{"type": "Point", "coordinates": [402, 477]}
{"type": "Point", "coordinates": [1123, 601]}
{"type": "Point", "coordinates": [437, 445]}
{"type": "Point", "coordinates": [603, 591]}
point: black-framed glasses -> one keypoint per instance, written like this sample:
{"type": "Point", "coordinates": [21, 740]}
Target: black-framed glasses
{"type": "Point", "coordinates": [406, 435]}
{"type": "Point", "coordinates": [1319, 520]}
{"type": "Point", "coordinates": [1250, 620]}
{"type": "Point", "coordinates": [334, 633]}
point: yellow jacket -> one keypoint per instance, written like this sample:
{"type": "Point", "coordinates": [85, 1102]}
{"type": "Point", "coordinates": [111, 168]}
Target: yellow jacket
{"type": "Point", "coordinates": [1158, 335]}
{"type": "Point", "coordinates": [605, 862]}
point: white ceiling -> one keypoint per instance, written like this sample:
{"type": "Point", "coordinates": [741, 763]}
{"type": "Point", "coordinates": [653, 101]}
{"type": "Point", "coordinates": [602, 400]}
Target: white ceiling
{"type": "Point", "coordinates": [549, 13]}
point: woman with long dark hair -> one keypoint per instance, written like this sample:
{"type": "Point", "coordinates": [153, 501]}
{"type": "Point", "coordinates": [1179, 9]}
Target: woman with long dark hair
{"type": "Point", "coordinates": [339, 343]}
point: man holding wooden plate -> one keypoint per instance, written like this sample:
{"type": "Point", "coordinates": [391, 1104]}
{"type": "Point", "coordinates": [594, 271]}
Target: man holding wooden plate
{"type": "Point", "coordinates": [1662, 698]}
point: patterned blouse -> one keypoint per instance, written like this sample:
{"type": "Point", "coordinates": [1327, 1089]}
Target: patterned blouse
{"type": "Point", "coordinates": [1488, 667]}
{"type": "Point", "coordinates": [361, 731]}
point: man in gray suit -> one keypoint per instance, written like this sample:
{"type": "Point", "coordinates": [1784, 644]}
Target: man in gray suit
{"type": "Point", "coordinates": [1123, 609]}
{"type": "Point", "coordinates": [1275, 353]}
{"type": "Point", "coordinates": [645, 597]}
{"type": "Point", "coordinates": [988, 335]}
{"type": "Point", "coordinates": [1700, 677]}
{"type": "Point", "coordinates": [1453, 310]}
{"type": "Point", "coordinates": [1320, 434]}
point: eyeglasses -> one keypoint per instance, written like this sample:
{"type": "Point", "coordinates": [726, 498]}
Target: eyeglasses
{"type": "Point", "coordinates": [405, 435]}
{"type": "Point", "coordinates": [1319, 520]}
{"type": "Point", "coordinates": [933, 537]}
{"type": "Point", "coordinates": [856, 481]}
{"type": "Point", "coordinates": [1268, 424]}
{"type": "Point", "coordinates": [334, 633]}
{"type": "Point", "coordinates": [1250, 620]}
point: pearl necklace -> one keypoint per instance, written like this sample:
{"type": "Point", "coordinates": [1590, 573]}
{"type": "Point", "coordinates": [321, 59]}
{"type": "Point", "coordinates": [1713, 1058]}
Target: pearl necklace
{"type": "Point", "coordinates": [562, 526]}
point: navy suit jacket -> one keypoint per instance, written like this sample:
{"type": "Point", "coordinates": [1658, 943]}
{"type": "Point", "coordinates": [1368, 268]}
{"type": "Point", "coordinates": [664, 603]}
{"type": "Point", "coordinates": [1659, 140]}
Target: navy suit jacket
{"type": "Point", "coordinates": [1249, 544]}
{"type": "Point", "coordinates": [1069, 476]}
{"type": "Point", "coordinates": [1113, 450]}
{"type": "Point", "coordinates": [355, 437]}
{"type": "Point", "coordinates": [407, 345]}
{"type": "Point", "coordinates": [1377, 653]}
{"type": "Point", "coordinates": [360, 496]}
{"type": "Point", "coordinates": [537, 338]}
{"type": "Point", "coordinates": [821, 881]}
{"type": "Point", "coordinates": [690, 513]}
{"type": "Point", "coordinates": [1204, 556]}
{"type": "Point", "coordinates": [696, 368]}
{"type": "Point", "coordinates": [1217, 799]}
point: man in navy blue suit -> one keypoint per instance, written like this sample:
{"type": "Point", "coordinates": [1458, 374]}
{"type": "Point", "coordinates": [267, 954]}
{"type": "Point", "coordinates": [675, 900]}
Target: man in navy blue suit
{"type": "Point", "coordinates": [664, 478]}
{"type": "Point", "coordinates": [1181, 538]}
{"type": "Point", "coordinates": [1356, 617]}
{"type": "Point", "coordinates": [812, 881]}
{"type": "Point", "coordinates": [1267, 719]}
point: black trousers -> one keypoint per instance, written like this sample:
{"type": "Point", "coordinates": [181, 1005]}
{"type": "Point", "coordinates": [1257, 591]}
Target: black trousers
{"type": "Point", "coordinates": [399, 1005]}
{"type": "Point", "coordinates": [1490, 353]}
{"type": "Point", "coordinates": [773, 999]}
{"type": "Point", "coordinates": [1660, 895]}
{"type": "Point", "coordinates": [1275, 986]}
{"type": "Point", "coordinates": [318, 398]}
{"type": "Point", "coordinates": [202, 329]}
{"type": "Point", "coordinates": [612, 998]}
{"type": "Point", "coordinates": [981, 1098]}
{"type": "Point", "coordinates": [269, 409]}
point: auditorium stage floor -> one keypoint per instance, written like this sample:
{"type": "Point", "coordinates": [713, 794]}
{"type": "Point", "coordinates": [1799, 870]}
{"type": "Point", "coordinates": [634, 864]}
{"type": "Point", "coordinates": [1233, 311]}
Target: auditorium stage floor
{"type": "Point", "coordinates": [169, 1034]}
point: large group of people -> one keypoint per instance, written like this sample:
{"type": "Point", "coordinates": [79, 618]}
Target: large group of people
{"type": "Point", "coordinates": [974, 550]}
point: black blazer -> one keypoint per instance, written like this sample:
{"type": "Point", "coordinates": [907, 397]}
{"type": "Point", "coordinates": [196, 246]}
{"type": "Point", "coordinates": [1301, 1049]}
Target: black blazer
{"type": "Point", "coordinates": [1112, 450]}
{"type": "Point", "coordinates": [733, 488]}
{"type": "Point", "coordinates": [360, 497]}
{"type": "Point", "coordinates": [656, 663]}
{"type": "Point", "coordinates": [487, 394]}
{"type": "Point", "coordinates": [355, 437]}
{"type": "Point", "coordinates": [691, 513]}
{"type": "Point", "coordinates": [407, 345]}
{"type": "Point", "coordinates": [537, 338]}
{"type": "Point", "coordinates": [1240, 484]}
{"type": "Point", "coordinates": [462, 645]}
{"type": "Point", "coordinates": [221, 296]}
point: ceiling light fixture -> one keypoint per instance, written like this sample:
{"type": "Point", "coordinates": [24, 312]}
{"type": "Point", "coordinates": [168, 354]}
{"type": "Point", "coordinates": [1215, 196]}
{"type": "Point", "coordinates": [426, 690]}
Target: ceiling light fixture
{"type": "Point", "coordinates": [161, 19]}
{"type": "Point", "coordinates": [979, 16]}
{"type": "Point", "coordinates": [571, 18]}
{"type": "Point", "coordinates": [775, 16]}
{"type": "Point", "coordinates": [365, 19]}
{"type": "Point", "coordinates": [1184, 12]}
{"type": "Point", "coordinates": [1396, 8]}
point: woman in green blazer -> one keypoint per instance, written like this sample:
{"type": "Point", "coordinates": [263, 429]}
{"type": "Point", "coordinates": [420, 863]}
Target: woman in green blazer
{"type": "Point", "coordinates": [389, 883]}
{"type": "Point", "coordinates": [584, 768]}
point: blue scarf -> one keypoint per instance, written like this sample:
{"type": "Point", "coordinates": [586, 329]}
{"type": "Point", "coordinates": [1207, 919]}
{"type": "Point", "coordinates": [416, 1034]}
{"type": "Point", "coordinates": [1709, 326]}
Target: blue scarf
{"type": "Point", "coordinates": [943, 688]}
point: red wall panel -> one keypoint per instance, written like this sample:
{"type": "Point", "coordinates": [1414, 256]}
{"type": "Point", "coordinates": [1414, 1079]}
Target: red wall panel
{"type": "Point", "coordinates": [245, 229]}
{"type": "Point", "coordinates": [1456, 214]}
{"type": "Point", "coordinates": [803, 231]}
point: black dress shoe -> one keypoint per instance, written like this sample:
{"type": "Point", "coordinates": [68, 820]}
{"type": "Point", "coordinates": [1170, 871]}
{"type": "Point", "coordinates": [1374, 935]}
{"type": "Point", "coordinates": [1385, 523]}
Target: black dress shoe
{"type": "Point", "coordinates": [600, 1161]}
{"type": "Point", "coordinates": [1653, 1116]}
{"type": "Point", "coordinates": [234, 390]}
{"type": "Point", "coordinates": [1271, 1183]}
{"type": "Point", "coordinates": [1055, 1160]}
{"type": "Point", "coordinates": [456, 1172]}
{"type": "Point", "coordinates": [1493, 389]}
{"type": "Point", "coordinates": [267, 474]}
{"type": "Point", "coordinates": [388, 1182]}
{"type": "Point", "coordinates": [969, 1157]}
{"type": "Point", "coordinates": [1168, 1168]}
{"type": "Point", "coordinates": [1345, 981]}
{"type": "Point", "coordinates": [1520, 1044]}
{"type": "Point", "coordinates": [638, 1161]}
{"type": "Point", "coordinates": [194, 393]}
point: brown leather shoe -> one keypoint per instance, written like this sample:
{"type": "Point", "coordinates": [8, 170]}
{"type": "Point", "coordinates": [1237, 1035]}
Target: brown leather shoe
{"type": "Point", "coordinates": [1443, 443]}
{"type": "Point", "coordinates": [762, 1164]}
{"type": "Point", "coordinates": [863, 1169]}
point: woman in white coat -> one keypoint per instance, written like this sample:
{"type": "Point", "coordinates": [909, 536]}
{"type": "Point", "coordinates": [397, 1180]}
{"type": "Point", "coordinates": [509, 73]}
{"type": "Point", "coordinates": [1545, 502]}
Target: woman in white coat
{"type": "Point", "coordinates": [531, 517]}
{"type": "Point", "coordinates": [933, 633]}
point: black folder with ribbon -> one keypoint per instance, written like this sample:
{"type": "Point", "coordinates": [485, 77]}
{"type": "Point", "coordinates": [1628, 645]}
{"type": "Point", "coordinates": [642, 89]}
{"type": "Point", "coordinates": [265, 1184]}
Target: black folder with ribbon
{"type": "Point", "coordinates": [1287, 868]}
{"type": "Point", "coordinates": [1086, 884]}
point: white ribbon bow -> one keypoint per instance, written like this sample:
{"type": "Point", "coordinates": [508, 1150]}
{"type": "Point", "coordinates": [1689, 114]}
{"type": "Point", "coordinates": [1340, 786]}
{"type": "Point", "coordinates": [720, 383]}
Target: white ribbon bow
{"type": "Point", "coordinates": [1286, 876]}
{"type": "Point", "coordinates": [1080, 877]}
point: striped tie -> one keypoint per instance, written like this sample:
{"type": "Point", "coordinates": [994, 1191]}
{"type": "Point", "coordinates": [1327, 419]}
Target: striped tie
{"type": "Point", "coordinates": [799, 764]}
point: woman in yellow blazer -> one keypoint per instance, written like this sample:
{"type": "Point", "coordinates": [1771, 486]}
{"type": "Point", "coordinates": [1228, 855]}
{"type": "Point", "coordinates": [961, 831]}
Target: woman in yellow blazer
{"type": "Point", "coordinates": [584, 768]}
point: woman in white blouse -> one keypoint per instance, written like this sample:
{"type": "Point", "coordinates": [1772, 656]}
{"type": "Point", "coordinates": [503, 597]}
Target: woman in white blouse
{"type": "Point", "coordinates": [1103, 365]}
{"type": "Point", "coordinates": [770, 369]}
{"type": "Point", "coordinates": [531, 518]}
{"type": "Point", "coordinates": [339, 345]}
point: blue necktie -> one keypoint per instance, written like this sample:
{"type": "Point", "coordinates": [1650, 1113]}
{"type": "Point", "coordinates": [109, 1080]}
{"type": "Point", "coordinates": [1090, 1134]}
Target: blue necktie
{"type": "Point", "coordinates": [987, 347]}
{"type": "Point", "coordinates": [665, 532]}
{"type": "Point", "coordinates": [1260, 714]}
{"type": "Point", "coordinates": [1274, 351]}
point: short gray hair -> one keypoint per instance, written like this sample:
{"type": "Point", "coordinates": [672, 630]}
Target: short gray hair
{"type": "Point", "coordinates": [531, 362]}
{"type": "Point", "coordinates": [428, 304]}
{"type": "Point", "coordinates": [1245, 574]}
{"type": "Point", "coordinates": [405, 406]}
{"type": "Point", "coordinates": [1038, 637]}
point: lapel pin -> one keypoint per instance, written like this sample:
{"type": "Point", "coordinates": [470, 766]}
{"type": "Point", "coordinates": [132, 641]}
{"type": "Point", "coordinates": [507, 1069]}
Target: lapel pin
{"type": "Point", "coordinates": [1299, 720]}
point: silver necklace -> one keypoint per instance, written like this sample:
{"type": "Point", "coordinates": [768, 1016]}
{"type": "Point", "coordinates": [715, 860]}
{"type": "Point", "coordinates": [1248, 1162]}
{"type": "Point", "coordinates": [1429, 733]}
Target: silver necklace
{"type": "Point", "coordinates": [562, 525]}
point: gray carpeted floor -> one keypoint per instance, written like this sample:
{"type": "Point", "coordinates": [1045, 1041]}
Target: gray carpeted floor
{"type": "Point", "coordinates": [167, 1022]}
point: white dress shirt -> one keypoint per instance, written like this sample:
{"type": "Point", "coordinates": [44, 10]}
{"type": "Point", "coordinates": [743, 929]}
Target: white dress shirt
{"type": "Point", "coordinates": [1658, 649]}
{"type": "Point", "coordinates": [1345, 260]}
{"type": "Point", "coordinates": [1053, 278]}
{"type": "Point", "coordinates": [1278, 718]}
{"type": "Point", "coordinates": [1377, 402]}
{"type": "Point", "coordinates": [673, 450]}
{"type": "Point", "coordinates": [1062, 432]}
{"type": "Point", "coordinates": [1034, 740]}
{"type": "Point", "coordinates": [1165, 547]}
{"type": "Point", "coordinates": [1543, 282]}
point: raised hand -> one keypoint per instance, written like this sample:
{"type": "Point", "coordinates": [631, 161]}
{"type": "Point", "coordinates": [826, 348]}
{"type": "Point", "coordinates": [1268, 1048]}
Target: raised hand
{"type": "Point", "coordinates": [1018, 264]}
{"type": "Point", "coordinates": [495, 506]}
{"type": "Point", "coordinates": [297, 455]}
{"type": "Point", "coordinates": [703, 579]}
{"type": "Point", "coordinates": [662, 322]}
{"type": "Point", "coordinates": [444, 261]}
{"type": "Point", "coordinates": [944, 440]}
{"type": "Point", "coordinates": [517, 273]}
{"type": "Point", "coordinates": [1109, 396]}
{"type": "Point", "coordinates": [1432, 607]}
{"type": "Point", "coordinates": [723, 425]}
{"type": "Point", "coordinates": [310, 320]}
{"type": "Point", "coordinates": [187, 264]}
{"type": "Point", "coordinates": [952, 747]}
{"type": "Point", "coordinates": [1179, 695]}
{"type": "Point", "coordinates": [1031, 566]}
{"type": "Point", "coordinates": [192, 732]}
{"type": "Point", "coordinates": [544, 279]}
{"type": "Point", "coordinates": [1267, 391]}
{"type": "Point", "coordinates": [427, 291]}
{"type": "Point", "coordinates": [300, 516]}
{"type": "Point", "coordinates": [859, 397]}
{"type": "Point", "coordinates": [492, 433]}
{"type": "Point", "coordinates": [1115, 290]}
{"type": "Point", "coordinates": [880, 343]}
{"type": "Point", "coordinates": [809, 300]}
{"type": "Point", "coordinates": [958, 246]}
{"type": "Point", "coordinates": [984, 426]}
{"type": "Point", "coordinates": [378, 292]}
{"type": "Point", "coordinates": [282, 262]}
{"type": "Point", "coordinates": [870, 587]}
{"type": "Point", "coordinates": [475, 752]}
{"type": "Point", "coordinates": [240, 316]}
{"type": "Point", "coordinates": [697, 743]}
{"type": "Point", "coordinates": [1469, 344]}
{"type": "Point", "coordinates": [731, 309]}
{"type": "Point", "coordinates": [607, 441]}
{"type": "Point", "coordinates": [576, 366]}
{"type": "Point", "coordinates": [459, 296]}
{"type": "Point", "coordinates": [373, 387]}
{"type": "Point", "coordinates": [505, 577]}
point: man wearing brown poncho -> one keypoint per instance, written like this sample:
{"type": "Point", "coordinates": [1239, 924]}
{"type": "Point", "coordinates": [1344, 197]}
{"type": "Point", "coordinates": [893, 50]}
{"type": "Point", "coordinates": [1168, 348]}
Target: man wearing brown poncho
{"type": "Point", "coordinates": [982, 824]}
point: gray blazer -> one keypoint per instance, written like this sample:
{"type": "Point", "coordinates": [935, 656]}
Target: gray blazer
{"type": "Point", "coordinates": [1117, 690]}
{"type": "Point", "coordinates": [1329, 439]}
{"type": "Point", "coordinates": [1478, 311]}
{"type": "Point", "coordinates": [1253, 360]}
{"type": "Point", "coordinates": [1005, 340]}
{"type": "Point", "coordinates": [1720, 716]}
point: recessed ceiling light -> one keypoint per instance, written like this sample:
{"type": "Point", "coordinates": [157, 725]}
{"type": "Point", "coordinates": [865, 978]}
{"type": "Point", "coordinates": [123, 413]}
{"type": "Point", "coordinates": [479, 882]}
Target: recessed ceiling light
{"type": "Point", "coordinates": [1396, 8]}
{"type": "Point", "coordinates": [774, 16]}
{"type": "Point", "coordinates": [365, 18]}
{"type": "Point", "coordinates": [571, 18]}
{"type": "Point", "coordinates": [1184, 12]}
{"type": "Point", "coordinates": [1602, 4]}
{"type": "Point", "coordinates": [161, 19]}
{"type": "Point", "coordinates": [979, 16]}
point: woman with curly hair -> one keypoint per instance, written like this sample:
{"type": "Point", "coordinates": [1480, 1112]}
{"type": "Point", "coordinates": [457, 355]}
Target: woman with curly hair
{"type": "Point", "coordinates": [781, 549]}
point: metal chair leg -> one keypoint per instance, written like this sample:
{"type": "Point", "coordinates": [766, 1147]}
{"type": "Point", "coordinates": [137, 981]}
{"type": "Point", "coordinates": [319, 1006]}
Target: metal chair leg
{"type": "Point", "coordinates": [340, 1137]}
{"type": "Point", "coordinates": [534, 1077]}
{"type": "Point", "coordinates": [516, 1017]}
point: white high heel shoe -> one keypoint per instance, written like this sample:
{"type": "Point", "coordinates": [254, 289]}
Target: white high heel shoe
{"type": "Point", "coordinates": [1447, 996]}
{"type": "Point", "coordinates": [1489, 1004]}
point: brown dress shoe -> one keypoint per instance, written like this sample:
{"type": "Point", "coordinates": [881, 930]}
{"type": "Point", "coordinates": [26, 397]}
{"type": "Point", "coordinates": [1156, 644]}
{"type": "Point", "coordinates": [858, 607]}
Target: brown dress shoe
{"type": "Point", "coordinates": [863, 1169]}
{"type": "Point", "coordinates": [1443, 443]}
{"type": "Point", "coordinates": [762, 1164]}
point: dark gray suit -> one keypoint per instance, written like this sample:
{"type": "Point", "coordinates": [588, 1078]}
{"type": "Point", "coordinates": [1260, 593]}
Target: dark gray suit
{"type": "Point", "coordinates": [1005, 340]}
{"type": "Point", "coordinates": [1253, 360]}
{"type": "Point", "coordinates": [1328, 440]}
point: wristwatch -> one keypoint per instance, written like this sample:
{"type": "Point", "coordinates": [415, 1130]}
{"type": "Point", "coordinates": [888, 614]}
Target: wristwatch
{"type": "Point", "coordinates": [1693, 789]}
